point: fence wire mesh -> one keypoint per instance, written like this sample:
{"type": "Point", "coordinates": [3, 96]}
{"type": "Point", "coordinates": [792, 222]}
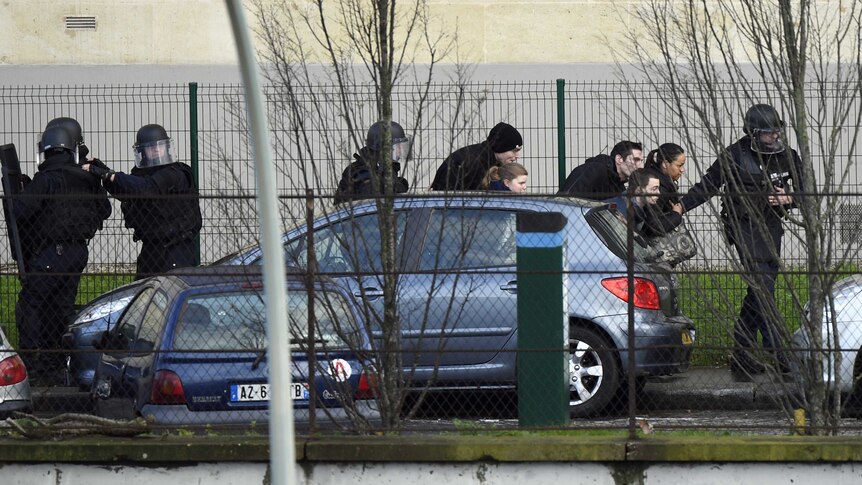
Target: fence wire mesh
{"type": "Point", "coordinates": [415, 326]}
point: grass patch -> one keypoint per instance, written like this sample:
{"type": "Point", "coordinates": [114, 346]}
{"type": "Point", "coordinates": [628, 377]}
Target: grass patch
{"type": "Point", "coordinates": [713, 299]}
{"type": "Point", "coordinates": [91, 286]}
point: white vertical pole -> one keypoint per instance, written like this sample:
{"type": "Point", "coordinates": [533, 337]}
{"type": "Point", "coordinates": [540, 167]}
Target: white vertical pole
{"type": "Point", "coordinates": [281, 455]}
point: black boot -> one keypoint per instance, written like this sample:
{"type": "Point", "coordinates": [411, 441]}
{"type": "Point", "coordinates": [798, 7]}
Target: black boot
{"type": "Point", "coordinates": [743, 367]}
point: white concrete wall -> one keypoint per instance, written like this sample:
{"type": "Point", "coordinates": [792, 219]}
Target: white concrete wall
{"type": "Point", "coordinates": [198, 31]}
{"type": "Point", "coordinates": [437, 473]}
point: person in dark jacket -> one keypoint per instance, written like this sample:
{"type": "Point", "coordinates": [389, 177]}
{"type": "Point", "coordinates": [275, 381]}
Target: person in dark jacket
{"type": "Point", "coordinates": [159, 200]}
{"type": "Point", "coordinates": [62, 208]}
{"type": "Point", "coordinates": [358, 180]}
{"type": "Point", "coordinates": [604, 176]}
{"type": "Point", "coordinates": [466, 168]}
{"type": "Point", "coordinates": [667, 163]}
{"type": "Point", "coordinates": [759, 175]}
{"type": "Point", "coordinates": [643, 190]}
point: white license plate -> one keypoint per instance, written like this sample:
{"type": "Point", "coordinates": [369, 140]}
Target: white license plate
{"type": "Point", "coordinates": [260, 392]}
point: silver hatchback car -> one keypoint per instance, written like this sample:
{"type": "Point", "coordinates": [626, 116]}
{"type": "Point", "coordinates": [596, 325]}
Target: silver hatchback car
{"type": "Point", "coordinates": [846, 296]}
{"type": "Point", "coordinates": [14, 382]}
{"type": "Point", "coordinates": [457, 290]}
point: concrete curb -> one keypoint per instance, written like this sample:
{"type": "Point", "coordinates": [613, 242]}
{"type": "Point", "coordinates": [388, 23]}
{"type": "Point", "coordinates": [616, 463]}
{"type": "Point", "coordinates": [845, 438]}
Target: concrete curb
{"type": "Point", "coordinates": [713, 388]}
{"type": "Point", "coordinates": [437, 449]}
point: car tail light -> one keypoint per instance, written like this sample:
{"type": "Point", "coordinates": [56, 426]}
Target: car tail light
{"type": "Point", "coordinates": [367, 388]}
{"type": "Point", "coordinates": [167, 388]}
{"type": "Point", "coordinates": [12, 371]}
{"type": "Point", "coordinates": [646, 293]}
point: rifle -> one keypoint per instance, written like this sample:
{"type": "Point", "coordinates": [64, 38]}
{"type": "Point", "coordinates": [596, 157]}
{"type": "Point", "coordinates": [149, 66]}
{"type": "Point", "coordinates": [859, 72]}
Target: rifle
{"type": "Point", "coordinates": [12, 185]}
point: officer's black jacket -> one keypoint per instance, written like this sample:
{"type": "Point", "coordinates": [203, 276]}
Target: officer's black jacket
{"type": "Point", "coordinates": [159, 203]}
{"type": "Point", "coordinates": [356, 181]}
{"type": "Point", "coordinates": [596, 179]}
{"type": "Point", "coordinates": [747, 179]}
{"type": "Point", "coordinates": [465, 168]}
{"type": "Point", "coordinates": [74, 206]}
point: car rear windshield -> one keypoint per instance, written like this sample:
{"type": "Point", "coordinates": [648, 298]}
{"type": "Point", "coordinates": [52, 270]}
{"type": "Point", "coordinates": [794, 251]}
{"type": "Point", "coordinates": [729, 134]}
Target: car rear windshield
{"type": "Point", "coordinates": [610, 225]}
{"type": "Point", "coordinates": [236, 321]}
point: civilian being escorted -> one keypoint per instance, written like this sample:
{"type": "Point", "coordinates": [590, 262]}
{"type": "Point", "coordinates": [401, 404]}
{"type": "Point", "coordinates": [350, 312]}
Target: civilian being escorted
{"type": "Point", "coordinates": [667, 163]}
{"type": "Point", "coordinates": [510, 177]}
{"type": "Point", "coordinates": [466, 168]}
{"type": "Point", "coordinates": [604, 176]}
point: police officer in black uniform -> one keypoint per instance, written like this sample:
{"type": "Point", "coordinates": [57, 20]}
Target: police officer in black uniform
{"type": "Point", "coordinates": [356, 180]}
{"type": "Point", "coordinates": [62, 208]}
{"type": "Point", "coordinates": [758, 174]}
{"type": "Point", "coordinates": [159, 200]}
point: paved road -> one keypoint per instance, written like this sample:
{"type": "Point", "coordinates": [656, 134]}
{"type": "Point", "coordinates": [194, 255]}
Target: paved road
{"type": "Point", "coordinates": [704, 398]}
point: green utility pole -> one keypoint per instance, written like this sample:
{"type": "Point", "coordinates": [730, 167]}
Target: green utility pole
{"type": "Point", "coordinates": [543, 389]}
{"type": "Point", "coordinates": [561, 131]}
{"type": "Point", "coordinates": [194, 154]}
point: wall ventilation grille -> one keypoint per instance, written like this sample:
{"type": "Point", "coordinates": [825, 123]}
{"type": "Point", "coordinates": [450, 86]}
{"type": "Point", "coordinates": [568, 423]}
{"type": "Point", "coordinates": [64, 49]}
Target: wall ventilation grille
{"type": "Point", "coordinates": [80, 23]}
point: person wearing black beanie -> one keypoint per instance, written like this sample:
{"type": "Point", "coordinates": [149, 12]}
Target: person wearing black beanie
{"type": "Point", "coordinates": [465, 168]}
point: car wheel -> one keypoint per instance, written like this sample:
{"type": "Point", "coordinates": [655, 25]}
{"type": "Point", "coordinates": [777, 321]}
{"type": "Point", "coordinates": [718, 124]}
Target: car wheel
{"type": "Point", "coordinates": [593, 373]}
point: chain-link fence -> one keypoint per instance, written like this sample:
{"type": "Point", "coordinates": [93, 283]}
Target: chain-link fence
{"type": "Point", "coordinates": [410, 316]}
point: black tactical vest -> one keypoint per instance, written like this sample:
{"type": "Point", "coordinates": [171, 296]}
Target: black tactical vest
{"type": "Point", "coordinates": [172, 214]}
{"type": "Point", "coordinates": [76, 208]}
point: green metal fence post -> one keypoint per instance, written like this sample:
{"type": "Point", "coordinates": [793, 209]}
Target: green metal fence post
{"type": "Point", "coordinates": [561, 131]}
{"type": "Point", "coordinates": [193, 151]}
{"type": "Point", "coordinates": [543, 392]}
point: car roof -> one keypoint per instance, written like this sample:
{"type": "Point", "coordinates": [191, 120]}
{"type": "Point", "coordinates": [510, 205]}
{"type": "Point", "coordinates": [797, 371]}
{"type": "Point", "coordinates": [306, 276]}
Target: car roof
{"type": "Point", "coordinates": [215, 275]}
{"type": "Point", "coordinates": [467, 195]}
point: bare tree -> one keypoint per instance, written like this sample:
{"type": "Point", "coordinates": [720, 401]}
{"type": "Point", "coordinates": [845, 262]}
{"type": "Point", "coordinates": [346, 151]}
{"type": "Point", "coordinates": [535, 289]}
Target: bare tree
{"type": "Point", "coordinates": [320, 113]}
{"type": "Point", "coordinates": [709, 61]}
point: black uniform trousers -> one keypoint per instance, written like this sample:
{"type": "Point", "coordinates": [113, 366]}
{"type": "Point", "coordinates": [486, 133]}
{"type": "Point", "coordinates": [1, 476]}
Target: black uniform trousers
{"type": "Point", "coordinates": [46, 303]}
{"type": "Point", "coordinates": [156, 258]}
{"type": "Point", "coordinates": [758, 245]}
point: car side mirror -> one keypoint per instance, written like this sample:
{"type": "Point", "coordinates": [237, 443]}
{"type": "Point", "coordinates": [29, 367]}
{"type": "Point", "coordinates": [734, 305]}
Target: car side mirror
{"type": "Point", "coordinates": [107, 341]}
{"type": "Point", "coordinates": [99, 340]}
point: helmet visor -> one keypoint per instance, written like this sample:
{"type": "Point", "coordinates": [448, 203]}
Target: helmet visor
{"type": "Point", "coordinates": [153, 154]}
{"type": "Point", "coordinates": [767, 141]}
{"type": "Point", "coordinates": [401, 148]}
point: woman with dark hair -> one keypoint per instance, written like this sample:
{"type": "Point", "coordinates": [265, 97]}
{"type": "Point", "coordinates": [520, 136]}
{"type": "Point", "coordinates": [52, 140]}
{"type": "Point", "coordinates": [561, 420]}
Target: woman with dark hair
{"type": "Point", "coordinates": [667, 163]}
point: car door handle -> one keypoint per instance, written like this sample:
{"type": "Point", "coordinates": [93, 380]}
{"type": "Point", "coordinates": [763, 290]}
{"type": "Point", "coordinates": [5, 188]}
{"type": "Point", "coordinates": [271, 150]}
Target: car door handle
{"type": "Point", "coordinates": [511, 287]}
{"type": "Point", "coordinates": [371, 293]}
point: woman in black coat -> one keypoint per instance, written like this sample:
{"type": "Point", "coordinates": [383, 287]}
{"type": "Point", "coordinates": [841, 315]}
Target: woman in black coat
{"type": "Point", "coordinates": [667, 162]}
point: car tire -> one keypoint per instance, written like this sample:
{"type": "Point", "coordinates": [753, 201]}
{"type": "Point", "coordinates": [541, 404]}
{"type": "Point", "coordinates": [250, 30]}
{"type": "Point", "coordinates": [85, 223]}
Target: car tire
{"type": "Point", "coordinates": [594, 376]}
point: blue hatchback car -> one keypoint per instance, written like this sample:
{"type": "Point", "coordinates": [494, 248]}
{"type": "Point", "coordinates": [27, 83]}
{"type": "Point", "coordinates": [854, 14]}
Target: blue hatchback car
{"type": "Point", "coordinates": [189, 348]}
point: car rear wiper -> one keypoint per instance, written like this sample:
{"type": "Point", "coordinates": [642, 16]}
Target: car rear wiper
{"type": "Point", "coordinates": [262, 354]}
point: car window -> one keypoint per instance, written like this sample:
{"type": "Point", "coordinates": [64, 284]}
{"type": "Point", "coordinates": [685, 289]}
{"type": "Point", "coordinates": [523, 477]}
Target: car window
{"type": "Point", "coordinates": [141, 324]}
{"type": "Point", "coordinates": [152, 323]}
{"type": "Point", "coordinates": [609, 224]}
{"type": "Point", "coordinates": [236, 321]}
{"type": "Point", "coordinates": [348, 246]}
{"type": "Point", "coordinates": [469, 238]}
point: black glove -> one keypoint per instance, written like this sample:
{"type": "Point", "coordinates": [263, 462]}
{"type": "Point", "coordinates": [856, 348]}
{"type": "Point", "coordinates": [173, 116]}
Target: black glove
{"type": "Point", "coordinates": [98, 163]}
{"type": "Point", "coordinates": [25, 180]}
{"type": "Point", "coordinates": [101, 170]}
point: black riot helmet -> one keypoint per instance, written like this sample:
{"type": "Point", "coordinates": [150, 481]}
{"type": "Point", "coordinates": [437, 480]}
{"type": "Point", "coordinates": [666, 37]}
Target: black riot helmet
{"type": "Point", "coordinates": [152, 147]}
{"type": "Point", "coordinates": [72, 126]}
{"type": "Point", "coordinates": [763, 124]}
{"type": "Point", "coordinates": [56, 138]}
{"type": "Point", "coordinates": [400, 140]}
